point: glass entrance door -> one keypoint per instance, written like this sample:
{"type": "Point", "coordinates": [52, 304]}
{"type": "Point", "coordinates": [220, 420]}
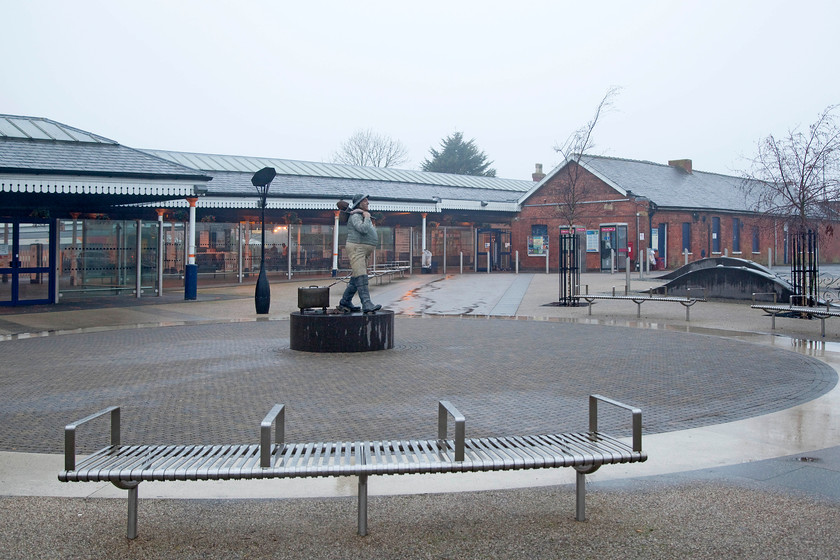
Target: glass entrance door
{"type": "Point", "coordinates": [493, 248]}
{"type": "Point", "coordinates": [26, 262]}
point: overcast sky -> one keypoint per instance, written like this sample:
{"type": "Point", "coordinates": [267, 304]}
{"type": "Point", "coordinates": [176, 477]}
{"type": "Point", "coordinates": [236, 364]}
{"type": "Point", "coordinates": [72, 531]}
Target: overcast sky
{"type": "Point", "coordinates": [703, 80]}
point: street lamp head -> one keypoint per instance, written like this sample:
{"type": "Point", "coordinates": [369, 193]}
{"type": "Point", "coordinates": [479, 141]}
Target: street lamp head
{"type": "Point", "coordinates": [263, 177]}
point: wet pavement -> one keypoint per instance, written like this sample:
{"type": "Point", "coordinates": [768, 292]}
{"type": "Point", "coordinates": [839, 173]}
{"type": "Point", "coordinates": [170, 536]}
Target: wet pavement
{"type": "Point", "coordinates": [720, 394]}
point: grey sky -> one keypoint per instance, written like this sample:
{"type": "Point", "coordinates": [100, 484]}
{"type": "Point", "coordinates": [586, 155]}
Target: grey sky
{"type": "Point", "coordinates": [700, 79]}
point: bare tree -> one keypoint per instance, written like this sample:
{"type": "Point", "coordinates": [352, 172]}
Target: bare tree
{"type": "Point", "coordinates": [797, 176]}
{"type": "Point", "coordinates": [573, 191]}
{"type": "Point", "coordinates": [367, 148]}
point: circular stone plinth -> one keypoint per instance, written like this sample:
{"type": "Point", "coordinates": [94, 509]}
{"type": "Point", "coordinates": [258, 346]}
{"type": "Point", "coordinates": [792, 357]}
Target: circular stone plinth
{"type": "Point", "coordinates": [315, 331]}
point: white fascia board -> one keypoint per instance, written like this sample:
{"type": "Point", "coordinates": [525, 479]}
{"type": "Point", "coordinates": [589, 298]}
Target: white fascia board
{"type": "Point", "coordinates": [93, 185]}
{"type": "Point", "coordinates": [252, 202]}
{"type": "Point", "coordinates": [542, 182]}
{"type": "Point", "coordinates": [476, 206]}
{"type": "Point", "coordinates": [559, 167]}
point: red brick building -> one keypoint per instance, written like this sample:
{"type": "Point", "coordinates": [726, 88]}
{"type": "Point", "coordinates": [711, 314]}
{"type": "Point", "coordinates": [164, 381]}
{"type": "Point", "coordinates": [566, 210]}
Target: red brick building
{"type": "Point", "coordinates": [628, 206]}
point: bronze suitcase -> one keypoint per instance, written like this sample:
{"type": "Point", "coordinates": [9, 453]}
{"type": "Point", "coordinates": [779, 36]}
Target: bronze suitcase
{"type": "Point", "coordinates": [312, 297]}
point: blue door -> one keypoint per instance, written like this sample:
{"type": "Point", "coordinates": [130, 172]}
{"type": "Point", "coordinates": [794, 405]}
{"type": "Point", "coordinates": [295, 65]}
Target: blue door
{"type": "Point", "coordinates": [27, 262]}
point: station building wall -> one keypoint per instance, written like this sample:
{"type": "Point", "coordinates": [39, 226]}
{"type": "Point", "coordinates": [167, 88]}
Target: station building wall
{"type": "Point", "coordinates": [704, 233]}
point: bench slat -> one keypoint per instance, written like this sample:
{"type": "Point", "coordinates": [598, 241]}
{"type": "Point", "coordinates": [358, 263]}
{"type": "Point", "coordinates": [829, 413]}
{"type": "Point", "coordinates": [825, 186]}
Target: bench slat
{"type": "Point", "coordinates": [205, 462]}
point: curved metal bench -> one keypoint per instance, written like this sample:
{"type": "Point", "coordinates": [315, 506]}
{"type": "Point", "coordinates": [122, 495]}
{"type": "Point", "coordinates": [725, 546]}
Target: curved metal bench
{"type": "Point", "coordinates": [821, 313]}
{"type": "Point", "coordinates": [126, 466]}
{"type": "Point", "coordinates": [686, 302]}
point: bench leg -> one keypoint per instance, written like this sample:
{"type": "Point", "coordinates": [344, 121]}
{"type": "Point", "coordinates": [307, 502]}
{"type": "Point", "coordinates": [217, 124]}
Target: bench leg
{"type": "Point", "coordinates": [363, 494]}
{"type": "Point", "coordinates": [580, 496]}
{"type": "Point", "coordinates": [822, 326]}
{"type": "Point", "coordinates": [131, 529]}
{"type": "Point", "coordinates": [638, 310]}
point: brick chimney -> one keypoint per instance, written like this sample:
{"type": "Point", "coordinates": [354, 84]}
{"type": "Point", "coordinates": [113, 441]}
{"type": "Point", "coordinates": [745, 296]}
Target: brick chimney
{"type": "Point", "coordinates": [538, 175]}
{"type": "Point", "coordinates": [684, 164]}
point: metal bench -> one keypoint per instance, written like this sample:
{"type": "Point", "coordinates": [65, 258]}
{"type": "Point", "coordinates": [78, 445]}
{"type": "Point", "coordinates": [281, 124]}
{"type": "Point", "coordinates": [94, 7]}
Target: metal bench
{"type": "Point", "coordinates": [387, 269]}
{"type": "Point", "coordinates": [821, 313]}
{"type": "Point", "coordinates": [126, 466]}
{"type": "Point", "coordinates": [686, 302]}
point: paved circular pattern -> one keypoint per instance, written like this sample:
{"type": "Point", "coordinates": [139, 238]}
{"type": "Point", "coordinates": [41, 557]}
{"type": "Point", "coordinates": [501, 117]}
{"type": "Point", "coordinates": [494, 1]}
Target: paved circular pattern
{"type": "Point", "coordinates": [213, 383]}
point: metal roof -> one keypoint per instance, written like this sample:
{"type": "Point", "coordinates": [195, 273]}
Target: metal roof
{"type": "Point", "coordinates": [37, 128]}
{"type": "Point", "coordinates": [246, 164]}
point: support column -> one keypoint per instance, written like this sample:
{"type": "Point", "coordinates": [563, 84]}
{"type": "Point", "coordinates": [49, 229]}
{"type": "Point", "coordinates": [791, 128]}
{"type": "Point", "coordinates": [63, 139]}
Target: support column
{"type": "Point", "coordinates": [74, 251]}
{"type": "Point", "coordinates": [444, 250]}
{"type": "Point", "coordinates": [191, 270]}
{"type": "Point", "coordinates": [138, 262]}
{"type": "Point", "coordinates": [335, 246]}
{"type": "Point", "coordinates": [423, 242]}
{"type": "Point", "coordinates": [241, 249]}
{"type": "Point", "coordinates": [160, 251]}
{"type": "Point", "coordinates": [289, 250]}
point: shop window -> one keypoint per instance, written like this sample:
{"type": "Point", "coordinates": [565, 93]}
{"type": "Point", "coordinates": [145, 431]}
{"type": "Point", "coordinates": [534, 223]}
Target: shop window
{"type": "Point", "coordinates": [539, 230]}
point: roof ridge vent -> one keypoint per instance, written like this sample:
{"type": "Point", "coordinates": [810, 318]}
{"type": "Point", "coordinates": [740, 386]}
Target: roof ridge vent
{"type": "Point", "coordinates": [684, 164]}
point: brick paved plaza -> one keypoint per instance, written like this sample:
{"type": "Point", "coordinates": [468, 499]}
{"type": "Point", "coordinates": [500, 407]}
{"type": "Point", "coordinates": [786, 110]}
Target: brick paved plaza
{"type": "Point", "coordinates": [211, 383]}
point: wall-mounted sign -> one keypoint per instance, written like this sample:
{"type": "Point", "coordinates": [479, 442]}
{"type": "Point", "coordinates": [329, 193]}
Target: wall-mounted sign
{"type": "Point", "coordinates": [592, 241]}
{"type": "Point", "coordinates": [537, 245]}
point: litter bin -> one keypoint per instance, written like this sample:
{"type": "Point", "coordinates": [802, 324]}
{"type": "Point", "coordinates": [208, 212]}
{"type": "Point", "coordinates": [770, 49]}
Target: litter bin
{"type": "Point", "coordinates": [426, 262]}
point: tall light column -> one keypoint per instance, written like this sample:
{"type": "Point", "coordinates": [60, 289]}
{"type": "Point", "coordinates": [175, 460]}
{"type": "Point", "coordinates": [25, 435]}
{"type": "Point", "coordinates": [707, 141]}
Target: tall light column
{"type": "Point", "coordinates": [262, 295]}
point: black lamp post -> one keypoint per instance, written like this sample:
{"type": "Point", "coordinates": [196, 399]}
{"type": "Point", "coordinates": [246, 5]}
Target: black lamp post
{"type": "Point", "coordinates": [262, 296]}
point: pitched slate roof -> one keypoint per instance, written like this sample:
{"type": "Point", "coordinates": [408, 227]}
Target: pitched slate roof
{"type": "Point", "coordinates": [665, 185]}
{"type": "Point", "coordinates": [73, 158]}
{"type": "Point", "coordinates": [82, 154]}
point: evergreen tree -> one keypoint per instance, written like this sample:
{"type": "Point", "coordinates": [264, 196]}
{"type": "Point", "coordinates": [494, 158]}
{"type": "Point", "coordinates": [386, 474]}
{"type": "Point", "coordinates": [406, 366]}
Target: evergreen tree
{"type": "Point", "coordinates": [459, 157]}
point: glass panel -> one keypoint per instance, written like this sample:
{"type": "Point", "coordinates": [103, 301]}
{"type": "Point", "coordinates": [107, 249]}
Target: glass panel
{"type": "Point", "coordinates": [34, 254]}
{"type": "Point", "coordinates": [33, 286]}
{"type": "Point", "coordinates": [82, 137]}
{"type": "Point", "coordinates": [97, 257]}
{"type": "Point", "coordinates": [173, 248]}
{"type": "Point", "coordinates": [311, 248]}
{"type": "Point", "coordinates": [30, 129]}
{"type": "Point", "coordinates": [69, 253]}
{"type": "Point", "coordinates": [216, 252]}
{"type": "Point", "coordinates": [56, 132]}
{"type": "Point", "coordinates": [149, 258]}
{"type": "Point", "coordinates": [6, 231]}
{"type": "Point", "coordinates": [7, 129]}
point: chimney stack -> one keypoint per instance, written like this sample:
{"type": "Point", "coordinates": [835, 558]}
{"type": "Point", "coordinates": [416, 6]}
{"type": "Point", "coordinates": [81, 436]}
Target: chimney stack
{"type": "Point", "coordinates": [538, 175]}
{"type": "Point", "coordinates": [684, 164]}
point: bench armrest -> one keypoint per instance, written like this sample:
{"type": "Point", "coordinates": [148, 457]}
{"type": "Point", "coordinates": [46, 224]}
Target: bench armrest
{"type": "Point", "coordinates": [445, 409]}
{"type": "Point", "coordinates": [70, 434]}
{"type": "Point", "coordinates": [278, 411]}
{"type": "Point", "coordinates": [635, 412]}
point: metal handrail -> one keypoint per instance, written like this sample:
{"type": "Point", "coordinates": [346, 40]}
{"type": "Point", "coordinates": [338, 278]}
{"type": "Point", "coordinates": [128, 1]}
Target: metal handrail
{"type": "Point", "coordinates": [70, 434]}
{"type": "Point", "coordinates": [445, 409]}
{"type": "Point", "coordinates": [277, 411]}
{"type": "Point", "coordinates": [636, 417]}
